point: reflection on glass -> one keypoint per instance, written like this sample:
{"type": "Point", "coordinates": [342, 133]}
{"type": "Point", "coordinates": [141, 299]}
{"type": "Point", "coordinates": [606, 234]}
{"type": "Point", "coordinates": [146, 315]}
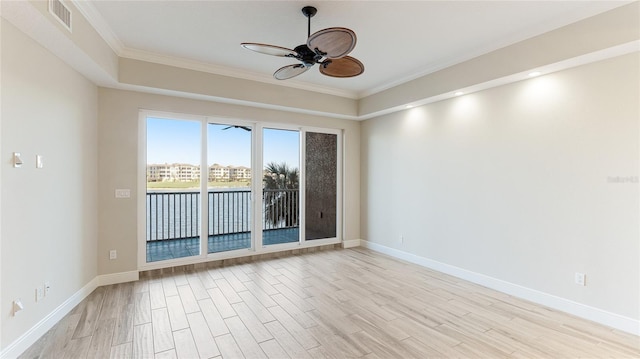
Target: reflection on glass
{"type": "Point", "coordinates": [173, 189]}
{"type": "Point", "coordinates": [281, 198]}
{"type": "Point", "coordinates": [320, 185]}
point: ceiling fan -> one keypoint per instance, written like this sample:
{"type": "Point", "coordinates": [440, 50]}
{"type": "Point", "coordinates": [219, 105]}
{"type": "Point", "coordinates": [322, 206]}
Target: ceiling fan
{"type": "Point", "coordinates": [328, 48]}
{"type": "Point", "coordinates": [237, 126]}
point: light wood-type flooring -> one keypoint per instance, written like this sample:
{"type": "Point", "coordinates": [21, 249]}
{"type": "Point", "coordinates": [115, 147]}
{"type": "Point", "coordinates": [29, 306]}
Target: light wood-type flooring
{"type": "Point", "coordinates": [344, 303]}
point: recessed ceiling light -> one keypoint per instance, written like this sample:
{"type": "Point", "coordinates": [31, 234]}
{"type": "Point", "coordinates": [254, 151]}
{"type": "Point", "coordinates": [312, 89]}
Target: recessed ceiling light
{"type": "Point", "coordinates": [534, 73]}
{"type": "Point", "coordinates": [459, 93]}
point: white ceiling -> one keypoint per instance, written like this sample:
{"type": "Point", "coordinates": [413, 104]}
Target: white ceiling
{"type": "Point", "coordinates": [397, 40]}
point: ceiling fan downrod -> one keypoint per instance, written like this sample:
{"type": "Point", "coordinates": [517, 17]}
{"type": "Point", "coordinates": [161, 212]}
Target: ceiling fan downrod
{"type": "Point", "coordinates": [307, 56]}
{"type": "Point", "coordinates": [309, 12]}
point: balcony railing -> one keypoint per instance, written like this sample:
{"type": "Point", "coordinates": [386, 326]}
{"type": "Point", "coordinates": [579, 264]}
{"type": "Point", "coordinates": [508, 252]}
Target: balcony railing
{"type": "Point", "coordinates": [176, 215]}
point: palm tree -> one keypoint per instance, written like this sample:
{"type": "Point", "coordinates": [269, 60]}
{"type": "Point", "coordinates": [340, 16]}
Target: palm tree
{"type": "Point", "coordinates": [280, 185]}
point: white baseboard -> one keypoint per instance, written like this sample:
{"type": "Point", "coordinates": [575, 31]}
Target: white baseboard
{"type": "Point", "coordinates": [114, 278]}
{"type": "Point", "coordinates": [27, 339]}
{"type": "Point", "coordinates": [350, 243]}
{"type": "Point", "coordinates": [597, 315]}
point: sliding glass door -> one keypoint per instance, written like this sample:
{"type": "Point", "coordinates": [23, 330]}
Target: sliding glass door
{"type": "Point", "coordinates": [229, 187]}
{"type": "Point", "coordinates": [280, 186]}
{"type": "Point", "coordinates": [217, 188]}
{"type": "Point", "coordinates": [173, 200]}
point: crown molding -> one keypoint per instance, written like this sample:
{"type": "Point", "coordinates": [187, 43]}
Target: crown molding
{"type": "Point", "coordinates": [96, 20]}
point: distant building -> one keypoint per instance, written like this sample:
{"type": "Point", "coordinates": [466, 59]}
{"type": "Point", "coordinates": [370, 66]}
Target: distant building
{"type": "Point", "coordinates": [228, 173]}
{"type": "Point", "coordinates": [184, 172]}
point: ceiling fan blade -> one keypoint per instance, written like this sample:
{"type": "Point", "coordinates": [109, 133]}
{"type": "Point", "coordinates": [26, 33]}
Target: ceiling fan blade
{"type": "Point", "coordinates": [269, 49]}
{"type": "Point", "coordinates": [343, 67]}
{"type": "Point", "coordinates": [290, 71]}
{"type": "Point", "coordinates": [235, 126]}
{"type": "Point", "coordinates": [333, 43]}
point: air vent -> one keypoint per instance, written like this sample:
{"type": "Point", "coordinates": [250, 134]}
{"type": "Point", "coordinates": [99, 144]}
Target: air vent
{"type": "Point", "coordinates": [60, 12]}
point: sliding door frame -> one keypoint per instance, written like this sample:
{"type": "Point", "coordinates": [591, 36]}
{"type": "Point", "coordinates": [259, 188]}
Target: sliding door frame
{"type": "Point", "coordinates": [257, 246]}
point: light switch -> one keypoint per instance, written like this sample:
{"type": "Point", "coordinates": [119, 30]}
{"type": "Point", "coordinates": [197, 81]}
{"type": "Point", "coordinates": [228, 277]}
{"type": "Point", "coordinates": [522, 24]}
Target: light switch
{"type": "Point", "coordinates": [123, 193]}
{"type": "Point", "coordinates": [39, 161]}
{"type": "Point", "coordinates": [17, 161]}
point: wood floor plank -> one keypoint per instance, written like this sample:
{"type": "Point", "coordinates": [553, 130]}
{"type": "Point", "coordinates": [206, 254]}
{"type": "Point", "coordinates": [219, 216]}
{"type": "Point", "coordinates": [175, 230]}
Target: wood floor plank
{"type": "Point", "coordinates": [121, 351]}
{"type": "Point", "coordinates": [156, 295]}
{"type": "Point", "coordinates": [143, 341]}
{"type": "Point", "coordinates": [286, 340]}
{"type": "Point", "coordinates": [101, 339]}
{"type": "Point", "coordinates": [185, 345]}
{"type": "Point", "coordinates": [294, 297]}
{"type": "Point", "coordinates": [77, 348]}
{"type": "Point", "coordinates": [258, 291]}
{"type": "Point", "coordinates": [228, 347]}
{"type": "Point", "coordinates": [180, 278]}
{"type": "Point", "coordinates": [110, 302]}
{"type": "Point", "coordinates": [261, 275]}
{"type": "Point", "coordinates": [273, 349]}
{"type": "Point", "coordinates": [224, 308]}
{"type": "Point", "coordinates": [227, 290]}
{"type": "Point", "coordinates": [90, 314]}
{"type": "Point", "coordinates": [177, 316]}
{"type": "Point", "coordinates": [241, 271]}
{"type": "Point", "coordinates": [303, 337]}
{"type": "Point", "coordinates": [206, 280]}
{"type": "Point", "coordinates": [169, 286]}
{"type": "Point", "coordinates": [123, 331]}
{"type": "Point", "coordinates": [142, 313]}
{"type": "Point", "coordinates": [169, 354]}
{"type": "Point", "coordinates": [189, 301]}
{"type": "Point", "coordinates": [337, 345]}
{"type": "Point", "coordinates": [233, 280]}
{"type": "Point", "coordinates": [248, 345]}
{"type": "Point", "coordinates": [53, 345]}
{"type": "Point", "coordinates": [213, 318]}
{"type": "Point", "coordinates": [256, 306]}
{"type": "Point", "coordinates": [293, 310]}
{"type": "Point", "coordinates": [162, 333]}
{"type": "Point", "coordinates": [202, 336]}
{"type": "Point", "coordinates": [252, 323]}
{"type": "Point", "coordinates": [197, 288]}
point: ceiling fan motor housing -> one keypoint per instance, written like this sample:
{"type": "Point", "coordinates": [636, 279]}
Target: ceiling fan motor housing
{"type": "Point", "coordinates": [306, 55]}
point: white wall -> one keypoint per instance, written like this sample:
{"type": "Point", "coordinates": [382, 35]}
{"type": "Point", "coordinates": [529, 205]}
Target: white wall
{"type": "Point", "coordinates": [517, 183]}
{"type": "Point", "coordinates": [49, 215]}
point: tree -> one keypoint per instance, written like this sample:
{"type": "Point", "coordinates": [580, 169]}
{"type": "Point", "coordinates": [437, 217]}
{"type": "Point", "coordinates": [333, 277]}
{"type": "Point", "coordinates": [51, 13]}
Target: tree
{"type": "Point", "coordinates": [280, 185]}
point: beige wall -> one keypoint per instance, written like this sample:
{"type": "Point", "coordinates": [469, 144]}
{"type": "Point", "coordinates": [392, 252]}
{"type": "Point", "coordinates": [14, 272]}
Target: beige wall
{"type": "Point", "coordinates": [49, 215]}
{"type": "Point", "coordinates": [118, 163]}
{"type": "Point", "coordinates": [517, 183]}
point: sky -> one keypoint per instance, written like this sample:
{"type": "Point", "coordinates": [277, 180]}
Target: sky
{"type": "Point", "coordinates": [178, 141]}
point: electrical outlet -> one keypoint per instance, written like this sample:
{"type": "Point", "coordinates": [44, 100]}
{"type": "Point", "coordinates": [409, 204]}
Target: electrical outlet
{"type": "Point", "coordinates": [39, 293]}
{"type": "Point", "coordinates": [580, 279]}
{"type": "Point", "coordinates": [17, 306]}
{"type": "Point", "coordinates": [113, 254]}
{"type": "Point", "coordinates": [47, 288]}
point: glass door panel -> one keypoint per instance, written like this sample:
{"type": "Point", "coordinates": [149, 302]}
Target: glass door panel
{"type": "Point", "coordinates": [280, 183]}
{"type": "Point", "coordinates": [173, 189]}
{"type": "Point", "coordinates": [229, 187]}
{"type": "Point", "coordinates": [321, 180]}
